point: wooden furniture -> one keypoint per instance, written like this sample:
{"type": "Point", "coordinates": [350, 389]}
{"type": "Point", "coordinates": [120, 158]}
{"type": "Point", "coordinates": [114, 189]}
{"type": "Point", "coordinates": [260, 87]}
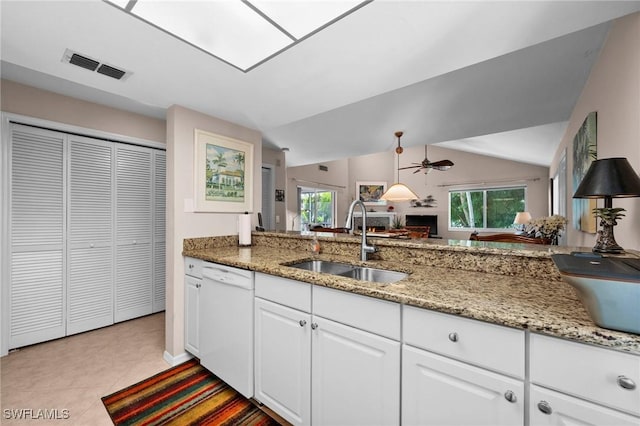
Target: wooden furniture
{"type": "Point", "coordinates": [334, 230]}
{"type": "Point", "coordinates": [418, 231]}
{"type": "Point", "coordinates": [509, 238]}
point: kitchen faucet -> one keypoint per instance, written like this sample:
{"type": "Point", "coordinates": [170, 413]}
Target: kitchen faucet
{"type": "Point", "coordinates": [364, 248]}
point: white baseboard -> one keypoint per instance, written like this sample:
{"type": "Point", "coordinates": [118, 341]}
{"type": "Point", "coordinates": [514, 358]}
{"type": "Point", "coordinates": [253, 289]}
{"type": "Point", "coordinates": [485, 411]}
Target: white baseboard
{"type": "Point", "coordinates": [178, 359]}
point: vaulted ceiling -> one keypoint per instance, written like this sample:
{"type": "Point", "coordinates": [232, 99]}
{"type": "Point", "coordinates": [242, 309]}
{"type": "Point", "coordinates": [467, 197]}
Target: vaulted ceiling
{"type": "Point", "coordinates": [498, 78]}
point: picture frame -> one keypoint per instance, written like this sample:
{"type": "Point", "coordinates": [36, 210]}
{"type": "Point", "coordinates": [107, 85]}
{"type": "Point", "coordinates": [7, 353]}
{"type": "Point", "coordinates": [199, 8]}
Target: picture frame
{"type": "Point", "coordinates": [223, 173]}
{"type": "Point", "coordinates": [585, 150]}
{"type": "Point", "coordinates": [369, 192]}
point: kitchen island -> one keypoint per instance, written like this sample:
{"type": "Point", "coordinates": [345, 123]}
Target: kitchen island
{"type": "Point", "coordinates": [515, 285]}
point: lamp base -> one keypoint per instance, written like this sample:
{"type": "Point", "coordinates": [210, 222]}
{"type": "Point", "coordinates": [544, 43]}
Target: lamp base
{"type": "Point", "coordinates": [606, 242]}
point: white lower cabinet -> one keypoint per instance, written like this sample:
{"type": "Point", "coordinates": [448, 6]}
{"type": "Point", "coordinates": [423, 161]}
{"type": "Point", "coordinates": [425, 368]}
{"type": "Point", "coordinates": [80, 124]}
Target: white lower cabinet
{"type": "Point", "coordinates": [578, 384]}
{"type": "Point", "coordinates": [549, 408]}
{"type": "Point", "coordinates": [441, 391]}
{"type": "Point", "coordinates": [192, 314]}
{"type": "Point", "coordinates": [355, 376]}
{"type": "Point", "coordinates": [192, 286]}
{"type": "Point", "coordinates": [458, 371]}
{"type": "Point", "coordinates": [313, 370]}
{"type": "Point", "coordinates": [283, 360]}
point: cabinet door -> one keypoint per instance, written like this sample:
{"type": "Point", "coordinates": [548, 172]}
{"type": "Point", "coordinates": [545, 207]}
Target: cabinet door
{"type": "Point", "coordinates": [355, 376]}
{"type": "Point", "coordinates": [159, 230]}
{"type": "Point", "coordinates": [441, 391]}
{"type": "Point", "coordinates": [36, 236]}
{"type": "Point", "coordinates": [134, 266]}
{"type": "Point", "coordinates": [549, 408]}
{"type": "Point", "coordinates": [191, 314]}
{"type": "Point", "coordinates": [90, 235]}
{"type": "Point", "coordinates": [283, 360]}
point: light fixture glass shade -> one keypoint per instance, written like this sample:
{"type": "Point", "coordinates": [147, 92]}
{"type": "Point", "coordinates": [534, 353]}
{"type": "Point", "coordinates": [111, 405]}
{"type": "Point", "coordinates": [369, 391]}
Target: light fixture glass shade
{"type": "Point", "coordinates": [609, 177]}
{"type": "Point", "coordinates": [522, 218]}
{"type": "Point", "coordinates": [399, 192]}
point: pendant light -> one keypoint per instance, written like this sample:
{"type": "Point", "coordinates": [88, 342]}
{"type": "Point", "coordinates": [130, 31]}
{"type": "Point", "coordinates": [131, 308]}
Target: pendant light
{"type": "Point", "coordinates": [399, 191]}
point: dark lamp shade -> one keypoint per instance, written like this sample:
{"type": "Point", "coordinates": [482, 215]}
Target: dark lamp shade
{"type": "Point", "coordinates": [609, 177]}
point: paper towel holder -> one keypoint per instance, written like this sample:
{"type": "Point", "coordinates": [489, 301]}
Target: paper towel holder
{"type": "Point", "coordinates": [244, 230]}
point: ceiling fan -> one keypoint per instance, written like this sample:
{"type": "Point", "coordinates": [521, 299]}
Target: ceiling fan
{"type": "Point", "coordinates": [427, 165]}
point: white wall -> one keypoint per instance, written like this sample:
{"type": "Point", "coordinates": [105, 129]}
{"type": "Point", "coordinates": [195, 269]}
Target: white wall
{"type": "Point", "coordinates": [184, 223]}
{"type": "Point", "coordinates": [613, 90]}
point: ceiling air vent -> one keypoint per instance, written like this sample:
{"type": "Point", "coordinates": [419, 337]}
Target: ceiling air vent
{"type": "Point", "coordinates": [84, 62]}
{"type": "Point", "coordinates": [90, 64]}
{"type": "Point", "coordinates": [111, 71]}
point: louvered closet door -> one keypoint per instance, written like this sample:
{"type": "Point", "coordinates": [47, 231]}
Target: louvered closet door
{"type": "Point", "coordinates": [159, 230]}
{"type": "Point", "coordinates": [90, 235]}
{"type": "Point", "coordinates": [134, 265]}
{"type": "Point", "coordinates": [36, 234]}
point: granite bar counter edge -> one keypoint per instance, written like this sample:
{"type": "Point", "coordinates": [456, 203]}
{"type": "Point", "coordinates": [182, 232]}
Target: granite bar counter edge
{"type": "Point", "coordinates": [515, 285]}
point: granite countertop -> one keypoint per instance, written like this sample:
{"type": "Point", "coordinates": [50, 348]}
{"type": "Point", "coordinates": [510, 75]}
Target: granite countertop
{"type": "Point", "coordinates": [547, 306]}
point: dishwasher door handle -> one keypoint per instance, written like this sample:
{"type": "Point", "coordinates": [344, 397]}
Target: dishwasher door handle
{"type": "Point", "coordinates": [227, 277]}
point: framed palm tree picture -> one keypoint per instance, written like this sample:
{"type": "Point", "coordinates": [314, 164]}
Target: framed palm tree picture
{"type": "Point", "coordinates": [223, 174]}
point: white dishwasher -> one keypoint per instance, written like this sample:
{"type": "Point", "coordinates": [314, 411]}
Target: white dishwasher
{"type": "Point", "coordinates": [226, 325]}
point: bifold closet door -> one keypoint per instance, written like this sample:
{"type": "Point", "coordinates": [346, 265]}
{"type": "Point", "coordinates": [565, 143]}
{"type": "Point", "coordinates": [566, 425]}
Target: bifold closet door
{"type": "Point", "coordinates": [36, 236]}
{"type": "Point", "coordinates": [90, 234]}
{"type": "Point", "coordinates": [133, 266]}
{"type": "Point", "coordinates": [159, 230]}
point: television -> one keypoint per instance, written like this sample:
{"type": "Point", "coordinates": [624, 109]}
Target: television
{"type": "Point", "coordinates": [430, 220]}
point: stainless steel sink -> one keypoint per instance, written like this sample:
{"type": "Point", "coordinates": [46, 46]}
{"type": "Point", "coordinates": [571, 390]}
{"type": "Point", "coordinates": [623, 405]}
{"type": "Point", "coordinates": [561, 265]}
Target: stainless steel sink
{"type": "Point", "coordinates": [374, 275]}
{"type": "Point", "coordinates": [333, 268]}
{"type": "Point", "coordinates": [361, 273]}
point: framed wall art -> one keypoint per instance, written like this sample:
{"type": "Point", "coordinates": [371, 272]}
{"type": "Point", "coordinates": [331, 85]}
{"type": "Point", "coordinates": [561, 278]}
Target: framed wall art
{"type": "Point", "coordinates": [584, 152]}
{"type": "Point", "coordinates": [223, 173]}
{"type": "Point", "coordinates": [370, 192]}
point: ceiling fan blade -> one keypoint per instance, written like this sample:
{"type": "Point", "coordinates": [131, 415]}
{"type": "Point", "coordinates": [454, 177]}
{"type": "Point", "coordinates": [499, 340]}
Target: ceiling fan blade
{"type": "Point", "coordinates": [409, 167]}
{"type": "Point", "coordinates": [442, 164]}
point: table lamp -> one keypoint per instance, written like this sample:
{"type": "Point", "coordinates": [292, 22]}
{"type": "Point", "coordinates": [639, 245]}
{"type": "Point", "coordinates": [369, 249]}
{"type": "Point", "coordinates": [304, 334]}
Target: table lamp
{"type": "Point", "coordinates": [521, 219]}
{"type": "Point", "coordinates": [608, 178]}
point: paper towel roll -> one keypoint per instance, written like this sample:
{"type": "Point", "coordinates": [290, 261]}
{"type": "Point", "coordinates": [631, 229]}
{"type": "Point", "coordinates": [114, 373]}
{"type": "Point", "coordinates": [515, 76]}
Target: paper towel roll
{"type": "Point", "coordinates": [244, 229]}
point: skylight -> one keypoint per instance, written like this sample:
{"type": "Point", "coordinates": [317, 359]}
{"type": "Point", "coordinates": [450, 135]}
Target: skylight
{"type": "Point", "coordinates": [242, 33]}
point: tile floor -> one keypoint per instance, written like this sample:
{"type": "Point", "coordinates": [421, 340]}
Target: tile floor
{"type": "Point", "coordinates": [75, 372]}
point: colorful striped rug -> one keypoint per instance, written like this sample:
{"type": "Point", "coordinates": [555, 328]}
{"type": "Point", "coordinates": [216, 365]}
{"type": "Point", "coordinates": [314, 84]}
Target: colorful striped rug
{"type": "Point", "coordinates": [186, 394]}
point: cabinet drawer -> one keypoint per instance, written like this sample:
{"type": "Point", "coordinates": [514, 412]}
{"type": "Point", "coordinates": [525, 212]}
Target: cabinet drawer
{"type": "Point", "coordinates": [586, 371]}
{"type": "Point", "coordinates": [193, 267]}
{"type": "Point", "coordinates": [549, 408]}
{"type": "Point", "coordinates": [294, 294]}
{"type": "Point", "coordinates": [487, 345]}
{"type": "Point", "coordinates": [366, 313]}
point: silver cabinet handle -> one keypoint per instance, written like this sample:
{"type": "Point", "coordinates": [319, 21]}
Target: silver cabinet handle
{"type": "Point", "coordinates": [545, 407]}
{"type": "Point", "coordinates": [510, 396]}
{"type": "Point", "coordinates": [626, 383]}
{"type": "Point", "coordinates": [453, 337]}
{"type": "Point", "coordinates": [302, 323]}
{"type": "Point", "coordinates": [314, 325]}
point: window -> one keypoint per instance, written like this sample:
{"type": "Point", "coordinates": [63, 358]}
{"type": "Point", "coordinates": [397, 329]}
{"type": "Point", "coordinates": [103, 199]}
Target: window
{"type": "Point", "coordinates": [317, 207]}
{"type": "Point", "coordinates": [485, 209]}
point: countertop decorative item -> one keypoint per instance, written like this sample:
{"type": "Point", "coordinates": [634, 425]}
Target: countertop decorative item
{"type": "Point", "coordinates": [609, 178]}
{"type": "Point", "coordinates": [521, 219]}
{"type": "Point", "coordinates": [549, 227]}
